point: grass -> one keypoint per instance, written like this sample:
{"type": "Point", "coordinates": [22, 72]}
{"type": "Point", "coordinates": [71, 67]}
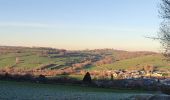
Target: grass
{"type": "Point", "coordinates": [30, 60]}
{"type": "Point", "coordinates": [155, 60]}
{"type": "Point", "coordinates": [7, 60]}
{"type": "Point", "coordinates": [33, 91]}
{"type": "Point", "coordinates": [59, 87]}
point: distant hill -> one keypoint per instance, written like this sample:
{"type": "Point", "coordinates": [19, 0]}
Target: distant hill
{"type": "Point", "coordinates": [43, 58]}
{"type": "Point", "coordinates": [121, 55]}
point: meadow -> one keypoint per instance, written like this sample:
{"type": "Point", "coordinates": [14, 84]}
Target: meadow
{"type": "Point", "coordinates": [156, 60]}
{"type": "Point", "coordinates": [32, 91]}
{"type": "Point", "coordinates": [34, 58]}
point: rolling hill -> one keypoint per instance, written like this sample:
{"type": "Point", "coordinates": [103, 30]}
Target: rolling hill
{"type": "Point", "coordinates": [33, 58]}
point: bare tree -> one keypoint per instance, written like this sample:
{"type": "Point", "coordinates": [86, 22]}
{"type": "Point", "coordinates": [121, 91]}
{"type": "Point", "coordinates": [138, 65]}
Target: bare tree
{"type": "Point", "coordinates": [165, 9]}
{"type": "Point", "coordinates": [164, 33]}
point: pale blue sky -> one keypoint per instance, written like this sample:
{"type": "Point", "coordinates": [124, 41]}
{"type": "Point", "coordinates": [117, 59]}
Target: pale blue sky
{"type": "Point", "coordinates": [80, 24]}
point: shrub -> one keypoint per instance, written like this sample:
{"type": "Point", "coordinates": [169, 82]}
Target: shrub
{"type": "Point", "coordinates": [87, 78]}
{"type": "Point", "coordinates": [41, 78]}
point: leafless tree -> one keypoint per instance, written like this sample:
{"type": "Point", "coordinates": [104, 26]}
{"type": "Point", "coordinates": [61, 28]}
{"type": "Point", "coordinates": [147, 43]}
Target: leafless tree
{"type": "Point", "coordinates": [164, 33]}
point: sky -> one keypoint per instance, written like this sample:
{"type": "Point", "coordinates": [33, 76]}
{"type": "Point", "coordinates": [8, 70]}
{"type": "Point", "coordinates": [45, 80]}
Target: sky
{"type": "Point", "coordinates": [80, 24]}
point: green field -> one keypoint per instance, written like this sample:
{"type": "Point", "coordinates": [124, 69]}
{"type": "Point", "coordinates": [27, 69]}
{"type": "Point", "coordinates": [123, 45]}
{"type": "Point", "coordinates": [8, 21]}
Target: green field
{"type": "Point", "coordinates": [134, 63]}
{"type": "Point", "coordinates": [32, 58]}
{"type": "Point", "coordinates": [30, 61]}
{"type": "Point", "coordinates": [33, 91]}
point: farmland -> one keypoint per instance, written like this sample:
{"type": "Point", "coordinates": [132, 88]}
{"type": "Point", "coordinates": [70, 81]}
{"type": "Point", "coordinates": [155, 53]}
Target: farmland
{"type": "Point", "coordinates": [135, 63]}
{"type": "Point", "coordinates": [32, 91]}
{"type": "Point", "coordinates": [34, 58]}
{"type": "Point", "coordinates": [59, 62]}
{"type": "Point", "coordinates": [50, 65]}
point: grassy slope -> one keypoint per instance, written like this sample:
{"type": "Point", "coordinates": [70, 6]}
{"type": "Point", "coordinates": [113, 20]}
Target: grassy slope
{"type": "Point", "coordinates": [156, 60]}
{"type": "Point", "coordinates": [30, 61]}
{"type": "Point", "coordinates": [7, 60]}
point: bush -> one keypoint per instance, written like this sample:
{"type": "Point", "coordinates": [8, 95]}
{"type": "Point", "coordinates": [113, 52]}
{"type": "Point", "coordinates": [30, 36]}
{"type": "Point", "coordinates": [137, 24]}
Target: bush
{"type": "Point", "coordinates": [41, 78]}
{"type": "Point", "coordinates": [87, 78]}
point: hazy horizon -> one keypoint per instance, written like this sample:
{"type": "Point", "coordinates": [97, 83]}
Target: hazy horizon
{"type": "Point", "coordinates": [78, 25]}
